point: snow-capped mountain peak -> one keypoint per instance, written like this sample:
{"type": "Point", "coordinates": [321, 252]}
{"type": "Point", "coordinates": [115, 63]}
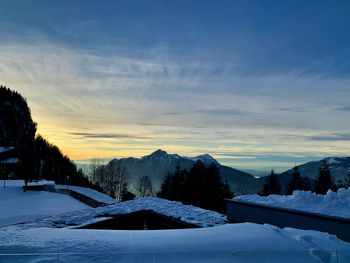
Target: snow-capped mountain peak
{"type": "Point", "coordinates": [158, 154]}
{"type": "Point", "coordinates": [204, 158]}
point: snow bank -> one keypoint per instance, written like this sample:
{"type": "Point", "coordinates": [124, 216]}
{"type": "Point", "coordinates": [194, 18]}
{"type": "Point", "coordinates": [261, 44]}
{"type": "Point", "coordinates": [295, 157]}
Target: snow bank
{"type": "Point", "coordinates": [187, 213]}
{"type": "Point", "coordinates": [245, 242]}
{"type": "Point", "coordinates": [100, 197]}
{"type": "Point", "coordinates": [332, 204]}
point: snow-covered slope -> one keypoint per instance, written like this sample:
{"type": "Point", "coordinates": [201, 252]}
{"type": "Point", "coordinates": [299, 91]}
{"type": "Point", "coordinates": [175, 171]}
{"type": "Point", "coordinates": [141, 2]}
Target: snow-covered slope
{"type": "Point", "coordinates": [17, 206]}
{"type": "Point", "coordinates": [52, 239]}
{"type": "Point", "coordinates": [228, 243]}
{"type": "Point", "coordinates": [333, 203]}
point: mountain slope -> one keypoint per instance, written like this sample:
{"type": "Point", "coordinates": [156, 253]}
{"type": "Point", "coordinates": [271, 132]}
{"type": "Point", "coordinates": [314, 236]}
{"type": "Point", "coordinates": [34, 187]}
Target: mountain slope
{"type": "Point", "coordinates": [159, 163]}
{"type": "Point", "coordinates": [339, 167]}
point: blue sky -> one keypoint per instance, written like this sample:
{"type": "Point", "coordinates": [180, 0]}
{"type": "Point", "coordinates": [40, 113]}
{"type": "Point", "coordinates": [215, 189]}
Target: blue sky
{"type": "Point", "coordinates": [257, 84]}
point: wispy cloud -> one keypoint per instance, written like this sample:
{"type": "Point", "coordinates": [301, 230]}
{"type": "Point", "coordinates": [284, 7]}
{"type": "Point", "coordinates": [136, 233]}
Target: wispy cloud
{"type": "Point", "coordinates": [107, 136]}
{"type": "Point", "coordinates": [345, 108]}
{"type": "Point", "coordinates": [188, 105]}
{"type": "Point", "coordinates": [332, 137]}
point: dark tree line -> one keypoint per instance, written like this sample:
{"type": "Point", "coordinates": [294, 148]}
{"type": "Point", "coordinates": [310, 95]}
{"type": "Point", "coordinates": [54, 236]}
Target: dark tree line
{"type": "Point", "coordinates": [50, 164]}
{"type": "Point", "coordinates": [38, 158]}
{"type": "Point", "coordinates": [324, 182]}
{"type": "Point", "coordinates": [112, 178]}
{"type": "Point", "coordinates": [272, 186]}
{"type": "Point", "coordinates": [201, 186]}
{"type": "Point", "coordinates": [17, 129]}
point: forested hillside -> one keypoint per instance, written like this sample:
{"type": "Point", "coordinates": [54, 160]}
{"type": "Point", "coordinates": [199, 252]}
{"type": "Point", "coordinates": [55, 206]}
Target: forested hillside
{"type": "Point", "coordinates": [38, 159]}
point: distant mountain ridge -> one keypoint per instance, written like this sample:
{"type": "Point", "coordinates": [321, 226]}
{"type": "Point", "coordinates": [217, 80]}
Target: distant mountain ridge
{"type": "Point", "coordinates": [339, 167]}
{"type": "Point", "coordinates": [159, 163]}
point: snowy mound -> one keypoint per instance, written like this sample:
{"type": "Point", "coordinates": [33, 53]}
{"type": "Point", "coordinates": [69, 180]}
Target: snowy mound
{"type": "Point", "coordinates": [187, 213]}
{"type": "Point", "coordinates": [332, 204]}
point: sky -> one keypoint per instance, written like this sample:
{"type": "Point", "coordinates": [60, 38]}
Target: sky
{"type": "Point", "coordinates": [255, 84]}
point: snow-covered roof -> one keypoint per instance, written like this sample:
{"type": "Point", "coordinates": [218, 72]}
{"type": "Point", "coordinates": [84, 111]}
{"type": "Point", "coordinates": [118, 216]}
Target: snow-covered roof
{"type": "Point", "coordinates": [187, 213]}
{"type": "Point", "coordinates": [332, 204]}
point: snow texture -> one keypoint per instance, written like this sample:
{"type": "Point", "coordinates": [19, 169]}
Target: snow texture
{"type": "Point", "coordinates": [17, 206]}
{"type": "Point", "coordinates": [245, 242]}
{"type": "Point", "coordinates": [186, 213]}
{"type": "Point", "coordinates": [42, 241]}
{"type": "Point", "coordinates": [332, 204]}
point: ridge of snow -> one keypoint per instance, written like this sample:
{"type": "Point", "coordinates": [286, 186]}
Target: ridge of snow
{"type": "Point", "coordinates": [187, 213]}
{"type": "Point", "coordinates": [5, 149]}
{"type": "Point", "coordinates": [205, 158]}
{"type": "Point", "coordinates": [334, 160]}
{"type": "Point", "coordinates": [332, 204]}
{"type": "Point", "coordinates": [164, 156]}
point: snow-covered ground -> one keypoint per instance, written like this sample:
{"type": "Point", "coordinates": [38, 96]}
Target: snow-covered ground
{"type": "Point", "coordinates": [17, 206]}
{"type": "Point", "coordinates": [100, 197]}
{"type": "Point", "coordinates": [245, 242]}
{"type": "Point", "coordinates": [332, 204]}
{"type": "Point", "coordinates": [186, 213]}
{"type": "Point", "coordinates": [41, 241]}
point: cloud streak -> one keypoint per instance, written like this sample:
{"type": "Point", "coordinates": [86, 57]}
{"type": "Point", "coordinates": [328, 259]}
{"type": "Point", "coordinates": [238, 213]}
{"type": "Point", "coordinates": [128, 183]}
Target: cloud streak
{"type": "Point", "coordinates": [332, 137]}
{"type": "Point", "coordinates": [107, 136]}
{"type": "Point", "coordinates": [188, 105]}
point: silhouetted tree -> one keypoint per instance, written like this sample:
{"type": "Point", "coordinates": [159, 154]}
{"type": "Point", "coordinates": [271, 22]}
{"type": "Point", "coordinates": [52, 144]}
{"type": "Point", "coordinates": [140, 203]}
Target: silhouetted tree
{"type": "Point", "coordinates": [145, 186]}
{"type": "Point", "coordinates": [296, 183]}
{"type": "Point", "coordinates": [324, 179]}
{"type": "Point", "coordinates": [228, 194]}
{"type": "Point", "coordinates": [17, 129]}
{"type": "Point", "coordinates": [126, 194]}
{"type": "Point", "coordinates": [202, 187]}
{"type": "Point", "coordinates": [240, 190]}
{"type": "Point", "coordinates": [272, 186]}
{"type": "Point", "coordinates": [38, 158]}
{"type": "Point", "coordinates": [347, 180]}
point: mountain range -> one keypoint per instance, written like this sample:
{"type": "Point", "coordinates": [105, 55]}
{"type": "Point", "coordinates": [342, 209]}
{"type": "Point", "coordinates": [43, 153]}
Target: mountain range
{"type": "Point", "coordinates": [339, 167]}
{"type": "Point", "coordinates": [158, 164]}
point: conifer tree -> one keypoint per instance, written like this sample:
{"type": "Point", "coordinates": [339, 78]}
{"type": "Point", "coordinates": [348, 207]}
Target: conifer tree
{"type": "Point", "coordinates": [272, 186]}
{"type": "Point", "coordinates": [347, 180]}
{"type": "Point", "coordinates": [296, 183]}
{"type": "Point", "coordinates": [324, 179]}
{"type": "Point", "coordinates": [202, 187]}
{"type": "Point", "coordinates": [228, 194]}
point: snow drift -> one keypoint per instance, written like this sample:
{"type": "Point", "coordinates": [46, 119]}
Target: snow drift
{"type": "Point", "coordinates": [332, 204]}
